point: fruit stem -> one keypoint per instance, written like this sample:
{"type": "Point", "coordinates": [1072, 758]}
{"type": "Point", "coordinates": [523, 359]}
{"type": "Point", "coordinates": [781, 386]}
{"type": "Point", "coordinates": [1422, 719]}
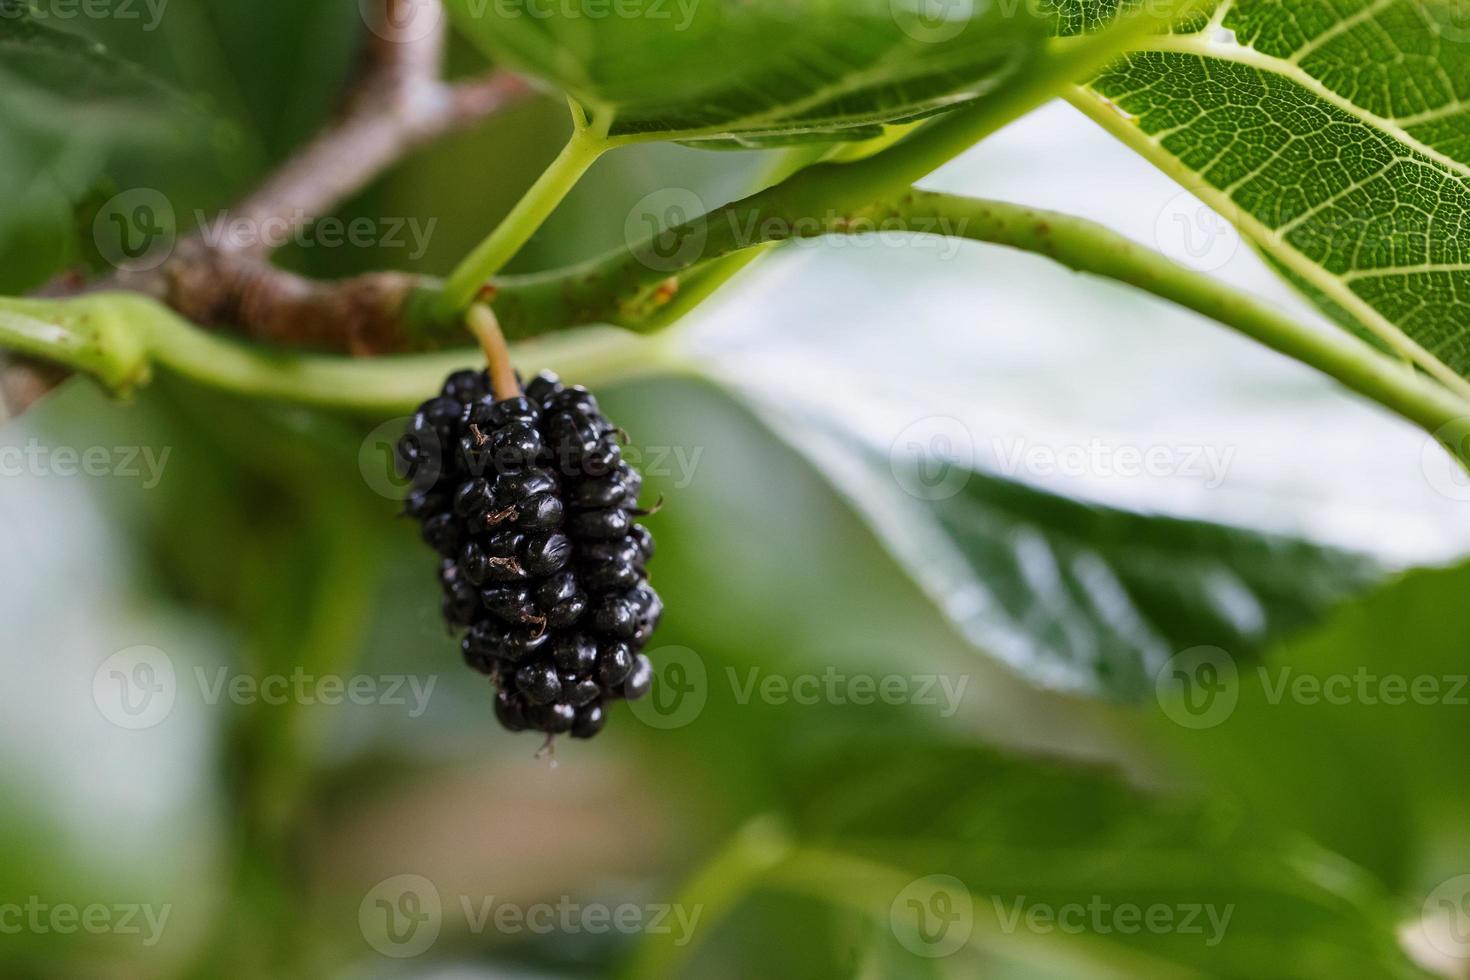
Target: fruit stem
{"type": "Point", "coordinates": [482, 323]}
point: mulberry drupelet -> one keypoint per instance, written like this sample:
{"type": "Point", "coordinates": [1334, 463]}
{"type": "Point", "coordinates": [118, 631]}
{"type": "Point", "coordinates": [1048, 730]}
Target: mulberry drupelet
{"type": "Point", "coordinates": [532, 509]}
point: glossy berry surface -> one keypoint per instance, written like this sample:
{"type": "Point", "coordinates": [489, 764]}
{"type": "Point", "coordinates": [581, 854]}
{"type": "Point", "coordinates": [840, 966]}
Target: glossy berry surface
{"type": "Point", "coordinates": [543, 565]}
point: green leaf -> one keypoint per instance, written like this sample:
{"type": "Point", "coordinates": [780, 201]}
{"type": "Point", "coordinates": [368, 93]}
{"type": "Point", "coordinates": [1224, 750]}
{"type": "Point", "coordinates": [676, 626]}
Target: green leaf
{"type": "Point", "coordinates": [1337, 136]}
{"type": "Point", "coordinates": [1351, 733]}
{"type": "Point", "coordinates": [65, 102]}
{"type": "Point", "coordinates": [1075, 596]}
{"type": "Point", "coordinates": [1053, 866]}
{"type": "Point", "coordinates": [759, 72]}
{"type": "Point", "coordinates": [60, 83]}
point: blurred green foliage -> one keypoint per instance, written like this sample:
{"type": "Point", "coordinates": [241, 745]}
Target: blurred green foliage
{"type": "Point", "coordinates": [805, 836]}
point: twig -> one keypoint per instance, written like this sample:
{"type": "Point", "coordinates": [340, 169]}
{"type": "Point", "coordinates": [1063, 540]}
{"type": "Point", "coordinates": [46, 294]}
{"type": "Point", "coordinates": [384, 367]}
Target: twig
{"type": "Point", "coordinates": [397, 102]}
{"type": "Point", "coordinates": [25, 382]}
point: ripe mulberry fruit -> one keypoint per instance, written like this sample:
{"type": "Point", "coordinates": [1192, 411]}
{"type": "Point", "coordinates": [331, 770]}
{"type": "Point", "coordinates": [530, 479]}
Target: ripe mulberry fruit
{"type": "Point", "coordinates": [532, 509]}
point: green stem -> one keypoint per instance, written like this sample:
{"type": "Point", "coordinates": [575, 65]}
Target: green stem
{"type": "Point", "coordinates": [624, 283]}
{"type": "Point", "coordinates": [529, 214]}
{"type": "Point", "coordinates": [114, 337]}
{"type": "Point", "coordinates": [712, 894]}
{"type": "Point", "coordinates": [1087, 247]}
{"type": "Point", "coordinates": [119, 337]}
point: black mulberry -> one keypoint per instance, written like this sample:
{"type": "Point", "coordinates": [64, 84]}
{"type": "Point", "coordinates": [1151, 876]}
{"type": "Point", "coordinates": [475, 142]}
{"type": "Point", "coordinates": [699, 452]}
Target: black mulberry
{"type": "Point", "coordinates": [532, 508]}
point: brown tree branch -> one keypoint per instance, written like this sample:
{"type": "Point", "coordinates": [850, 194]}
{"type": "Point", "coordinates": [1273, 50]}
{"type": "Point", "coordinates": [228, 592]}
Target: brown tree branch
{"type": "Point", "coordinates": [396, 103]}
{"type": "Point", "coordinates": [214, 287]}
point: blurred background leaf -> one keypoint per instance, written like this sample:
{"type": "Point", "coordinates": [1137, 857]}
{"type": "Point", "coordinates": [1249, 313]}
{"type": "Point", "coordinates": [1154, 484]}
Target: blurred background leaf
{"type": "Point", "coordinates": [1074, 595]}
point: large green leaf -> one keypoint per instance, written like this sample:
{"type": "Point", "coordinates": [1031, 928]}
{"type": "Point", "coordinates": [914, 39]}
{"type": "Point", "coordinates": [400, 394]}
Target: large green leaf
{"type": "Point", "coordinates": [1336, 135]}
{"type": "Point", "coordinates": [1351, 733]}
{"type": "Point", "coordinates": [1075, 596]}
{"type": "Point", "coordinates": [1052, 865]}
{"type": "Point", "coordinates": [760, 71]}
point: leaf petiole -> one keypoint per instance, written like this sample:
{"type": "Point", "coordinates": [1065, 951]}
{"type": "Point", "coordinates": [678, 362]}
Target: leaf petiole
{"type": "Point", "coordinates": [583, 148]}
